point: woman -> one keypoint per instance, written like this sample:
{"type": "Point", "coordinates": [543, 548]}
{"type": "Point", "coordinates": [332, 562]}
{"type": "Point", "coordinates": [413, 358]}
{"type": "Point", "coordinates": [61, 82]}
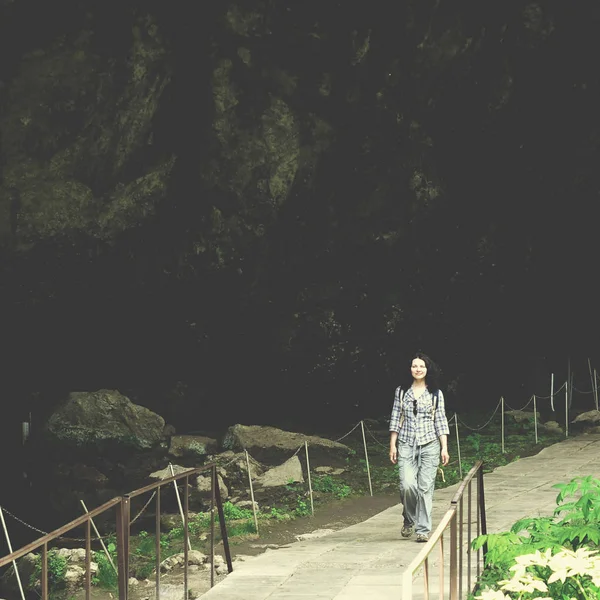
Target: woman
{"type": "Point", "coordinates": [419, 436]}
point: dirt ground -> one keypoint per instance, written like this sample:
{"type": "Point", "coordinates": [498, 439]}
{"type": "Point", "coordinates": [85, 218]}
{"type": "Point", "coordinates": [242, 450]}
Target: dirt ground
{"type": "Point", "coordinates": [334, 515]}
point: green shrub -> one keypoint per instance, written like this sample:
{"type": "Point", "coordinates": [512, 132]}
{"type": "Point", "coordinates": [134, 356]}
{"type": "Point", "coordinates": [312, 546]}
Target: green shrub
{"type": "Point", "coordinates": [57, 568]}
{"type": "Point", "coordinates": [328, 485]}
{"type": "Point", "coordinates": [106, 577]}
{"type": "Point", "coordinates": [578, 505]}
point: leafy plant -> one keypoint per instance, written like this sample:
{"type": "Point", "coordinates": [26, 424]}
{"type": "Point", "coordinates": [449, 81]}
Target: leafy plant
{"type": "Point", "coordinates": [106, 577]}
{"type": "Point", "coordinates": [328, 485]}
{"type": "Point", "coordinates": [235, 513]}
{"type": "Point", "coordinates": [579, 503]}
{"type": "Point", "coordinates": [57, 568]}
{"type": "Point", "coordinates": [278, 514]}
{"type": "Point", "coordinates": [302, 507]}
{"type": "Point", "coordinates": [563, 574]}
{"type": "Point", "coordinates": [475, 440]}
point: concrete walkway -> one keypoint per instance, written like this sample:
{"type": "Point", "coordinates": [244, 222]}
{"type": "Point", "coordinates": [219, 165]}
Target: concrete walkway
{"type": "Point", "coordinates": [366, 560]}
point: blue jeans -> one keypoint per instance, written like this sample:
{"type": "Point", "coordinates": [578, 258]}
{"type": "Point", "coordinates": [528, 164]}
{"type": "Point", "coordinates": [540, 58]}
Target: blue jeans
{"type": "Point", "coordinates": [418, 467]}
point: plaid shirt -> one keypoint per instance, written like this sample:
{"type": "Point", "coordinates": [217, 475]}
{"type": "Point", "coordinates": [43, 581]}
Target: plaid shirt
{"type": "Point", "coordinates": [426, 426]}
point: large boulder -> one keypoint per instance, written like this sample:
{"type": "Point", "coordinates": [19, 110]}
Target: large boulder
{"type": "Point", "coordinates": [551, 427]}
{"type": "Point", "coordinates": [191, 447]}
{"type": "Point", "coordinates": [104, 420]}
{"type": "Point", "coordinates": [288, 472]}
{"type": "Point", "coordinates": [204, 486]}
{"type": "Point", "coordinates": [273, 446]}
{"type": "Point", "coordinates": [591, 417]}
{"type": "Point", "coordinates": [166, 472]}
{"type": "Point", "coordinates": [27, 567]}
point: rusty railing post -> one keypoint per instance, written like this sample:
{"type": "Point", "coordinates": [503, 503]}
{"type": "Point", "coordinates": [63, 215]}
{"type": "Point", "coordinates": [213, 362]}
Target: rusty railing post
{"type": "Point", "coordinates": [460, 545]}
{"type": "Point", "coordinates": [157, 543]}
{"type": "Point", "coordinates": [223, 529]}
{"type": "Point", "coordinates": [123, 547]}
{"type": "Point", "coordinates": [88, 559]}
{"type": "Point", "coordinates": [482, 509]}
{"type": "Point", "coordinates": [45, 571]}
{"type": "Point", "coordinates": [469, 551]}
{"type": "Point", "coordinates": [213, 483]}
{"type": "Point", "coordinates": [453, 556]}
{"type": "Point", "coordinates": [126, 536]}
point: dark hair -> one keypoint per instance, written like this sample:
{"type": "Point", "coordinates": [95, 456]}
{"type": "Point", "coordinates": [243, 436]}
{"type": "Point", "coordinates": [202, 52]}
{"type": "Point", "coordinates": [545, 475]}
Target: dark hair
{"type": "Point", "coordinates": [433, 372]}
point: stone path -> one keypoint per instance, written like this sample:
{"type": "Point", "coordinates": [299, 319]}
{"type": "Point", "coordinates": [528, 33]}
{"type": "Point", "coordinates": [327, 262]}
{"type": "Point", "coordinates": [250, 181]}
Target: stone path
{"type": "Point", "coordinates": [366, 560]}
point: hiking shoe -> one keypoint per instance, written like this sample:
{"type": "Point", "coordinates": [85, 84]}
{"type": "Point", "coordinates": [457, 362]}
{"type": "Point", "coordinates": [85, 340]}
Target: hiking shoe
{"type": "Point", "coordinates": [407, 531]}
{"type": "Point", "coordinates": [421, 537]}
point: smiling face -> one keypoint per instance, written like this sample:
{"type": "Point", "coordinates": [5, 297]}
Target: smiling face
{"type": "Point", "coordinates": [418, 370]}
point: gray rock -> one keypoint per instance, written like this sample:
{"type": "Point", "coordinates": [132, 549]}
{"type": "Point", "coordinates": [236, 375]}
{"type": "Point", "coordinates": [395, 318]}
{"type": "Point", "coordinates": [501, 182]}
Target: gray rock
{"type": "Point", "coordinates": [551, 426]}
{"type": "Point", "coordinates": [204, 486]}
{"type": "Point", "coordinates": [234, 471]}
{"type": "Point", "coordinates": [219, 560]}
{"type": "Point", "coordinates": [27, 567]}
{"type": "Point", "coordinates": [169, 430]}
{"type": "Point", "coordinates": [323, 470]}
{"type": "Point", "coordinates": [191, 446]}
{"type": "Point", "coordinates": [272, 446]}
{"type": "Point", "coordinates": [591, 417]}
{"type": "Point", "coordinates": [166, 472]}
{"type": "Point", "coordinates": [171, 562]}
{"type": "Point", "coordinates": [104, 418]}
{"type": "Point", "coordinates": [329, 470]}
{"type": "Point", "coordinates": [234, 468]}
{"type": "Point", "coordinates": [74, 577]}
{"type": "Point", "coordinates": [195, 557]}
{"type": "Point", "coordinates": [288, 472]}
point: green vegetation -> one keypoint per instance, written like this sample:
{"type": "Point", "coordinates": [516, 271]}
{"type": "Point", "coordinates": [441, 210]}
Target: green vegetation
{"type": "Point", "coordinates": [328, 485]}
{"type": "Point", "coordinates": [57, 567]}
{"type": "Point", "coordinates": [106, 576]}
{"type": "Point", "coordinates": [573, 528]}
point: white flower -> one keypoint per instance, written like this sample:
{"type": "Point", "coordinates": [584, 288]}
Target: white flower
{"type": "Point", "coordinates": [527, 583]}
{"type": "Point", "coordinates": [492, 595]}
{"type": "Point", "coordinates": [568, 563]}
{"type": "Point", "coordinates": [537, 558]}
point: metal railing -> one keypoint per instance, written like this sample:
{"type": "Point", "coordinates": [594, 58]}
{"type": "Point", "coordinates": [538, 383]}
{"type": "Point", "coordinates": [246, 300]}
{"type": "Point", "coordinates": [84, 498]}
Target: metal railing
{"type": "Point", "coordinates": [452, 559]}
{"type": "Point", "coordinates": [122, 506]}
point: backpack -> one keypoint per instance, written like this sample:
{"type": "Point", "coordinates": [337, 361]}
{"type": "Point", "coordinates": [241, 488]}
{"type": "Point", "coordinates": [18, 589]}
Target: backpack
{"type": "Point", "coordinates": [436, 397]}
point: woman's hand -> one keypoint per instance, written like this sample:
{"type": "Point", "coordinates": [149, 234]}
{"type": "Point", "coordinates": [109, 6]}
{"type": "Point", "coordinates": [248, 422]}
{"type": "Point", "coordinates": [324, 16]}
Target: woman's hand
{"type": "Point", "coordinates": [445, 457]}
{"type": "Point", "coordinates": [393, 454]}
